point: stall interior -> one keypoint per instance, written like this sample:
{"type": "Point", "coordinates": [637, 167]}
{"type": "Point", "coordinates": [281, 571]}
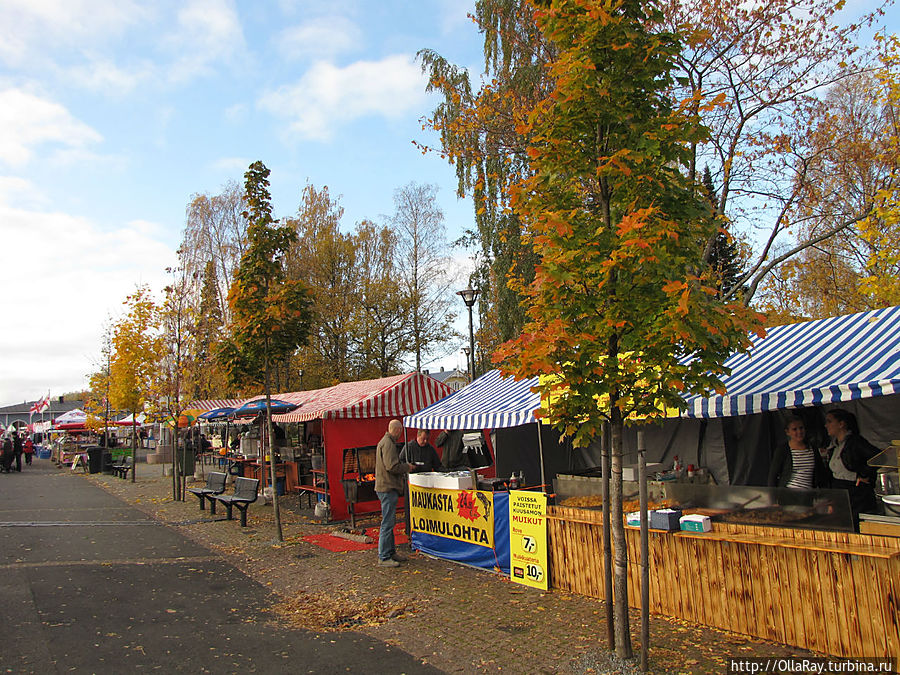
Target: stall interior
{"type": "Point", "coordinates": [819, 509]}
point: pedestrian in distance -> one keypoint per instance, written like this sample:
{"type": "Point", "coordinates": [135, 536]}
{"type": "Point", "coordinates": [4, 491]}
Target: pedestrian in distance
{"type": "Point", "coordinates": [6, 454]}
{"type": "Point", "coordinates": [390, 483]}
{"type": "Point", "coordinates": [17, 450]}
{"type": "Point", "coordinates": [28, 449]}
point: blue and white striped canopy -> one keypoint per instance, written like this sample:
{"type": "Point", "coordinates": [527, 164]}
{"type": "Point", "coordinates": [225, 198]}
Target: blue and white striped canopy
{"type": "Point", "coordinates": [490, 402]}
{"type": "Point", "coordinates": [812, 363]}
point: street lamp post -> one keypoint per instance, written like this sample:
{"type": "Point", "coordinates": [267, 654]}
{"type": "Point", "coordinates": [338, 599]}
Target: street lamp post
{"type": "Point", "coordinates": [466, 351]}
{"type": "Point", "coordinates": [469, 295]}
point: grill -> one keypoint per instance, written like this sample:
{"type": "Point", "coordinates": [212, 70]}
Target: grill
{"type": "Point", "coordinates": [358, 477]}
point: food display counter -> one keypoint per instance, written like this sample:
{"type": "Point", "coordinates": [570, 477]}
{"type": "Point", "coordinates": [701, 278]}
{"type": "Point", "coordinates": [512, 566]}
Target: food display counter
{"type": "Point", "coordinates": [887, 491]}
{"type": "Point", "coordinates": [778, 564]}
{"type": "Point", "coordinates": [746, 505]}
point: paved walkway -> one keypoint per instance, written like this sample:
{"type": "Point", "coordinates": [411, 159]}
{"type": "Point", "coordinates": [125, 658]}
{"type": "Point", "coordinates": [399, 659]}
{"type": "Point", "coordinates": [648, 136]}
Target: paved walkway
{"type": "Point", "coordinates": [101, 571]}
{"type": "Point", "coordinates": [91, 584]}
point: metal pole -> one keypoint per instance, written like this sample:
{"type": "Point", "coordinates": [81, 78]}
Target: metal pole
{"type": "Point", "coordinates": [607, 538]}
{"type": "Point", "coordinates": [541, 451]}
{"type": "Point", "coordinates": [471, 344]}
{"type": "Point", "coordinates": [645, 554]}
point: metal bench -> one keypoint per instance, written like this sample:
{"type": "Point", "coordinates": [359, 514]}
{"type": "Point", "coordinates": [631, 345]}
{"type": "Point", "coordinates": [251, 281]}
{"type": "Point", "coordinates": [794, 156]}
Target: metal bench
{"type": "Point", "coordinates": [122, 468]}
{"type": "Point", "coordinates": [245, 493]}
{"type": "Point", "coordinates": [215, 485]}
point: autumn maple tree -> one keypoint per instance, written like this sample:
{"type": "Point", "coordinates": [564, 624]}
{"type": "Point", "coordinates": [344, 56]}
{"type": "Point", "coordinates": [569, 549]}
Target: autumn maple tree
{"type": "Point", "coordinates": [324, 257]}
{"type": "Point", "coordinates": [96, 405]}
{"type": "Point", "coordinates": [137, 348]}
{"type": "Point", "coordinates": [270, 314]}
{"type": "Point", "coordinates": [755, 73]}
{"type": "Point", "coordinates": [623, 317]}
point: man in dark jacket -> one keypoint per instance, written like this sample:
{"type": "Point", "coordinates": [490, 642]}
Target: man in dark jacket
{"type": "Point", "coordinates": [390, 483]}
{"type": "Point", "coordinates": [421, 454]}
{"type": "Point", "coordinates": [17, 450]}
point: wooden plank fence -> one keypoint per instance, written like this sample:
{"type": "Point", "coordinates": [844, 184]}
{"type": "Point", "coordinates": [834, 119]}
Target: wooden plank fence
{"type": "Point", "coordinates": [836, 593]}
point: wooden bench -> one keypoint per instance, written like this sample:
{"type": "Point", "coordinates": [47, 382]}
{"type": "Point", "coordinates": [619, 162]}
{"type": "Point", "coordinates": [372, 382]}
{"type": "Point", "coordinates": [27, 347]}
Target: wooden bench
{"type": "Point", "coordinates": [245, 493]}
{"type": "Point", "coordinates": [122, 468]}
{"type": "Point", "coordinates": [215, 485]}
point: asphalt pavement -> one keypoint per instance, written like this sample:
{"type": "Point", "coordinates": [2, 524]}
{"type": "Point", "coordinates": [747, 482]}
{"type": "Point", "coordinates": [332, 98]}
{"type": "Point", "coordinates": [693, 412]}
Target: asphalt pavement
{"type": "Point", "coordinates": [90, 584]}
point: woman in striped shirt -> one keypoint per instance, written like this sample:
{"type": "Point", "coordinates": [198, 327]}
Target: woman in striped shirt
{"type": "Point", "coordinates": [796, 464]}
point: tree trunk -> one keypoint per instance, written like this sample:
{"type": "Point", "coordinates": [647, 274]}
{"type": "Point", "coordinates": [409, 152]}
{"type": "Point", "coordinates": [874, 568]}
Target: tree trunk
{"type": "Point", "coordinates": [133, 446]}
{"type": "Point", "coordinates": [175, 462]}
{"type": "Point", "coordinates": [275, 505]}
{"type": "Point", "coordinates": [620, 580]}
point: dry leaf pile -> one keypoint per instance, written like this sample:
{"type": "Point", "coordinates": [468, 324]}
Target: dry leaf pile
{"type": "Point", "coordinates": [339, 611]}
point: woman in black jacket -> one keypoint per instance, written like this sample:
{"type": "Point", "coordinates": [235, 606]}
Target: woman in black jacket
{"type": "Point", "coordinates": [796, 464]}
{"type": "Point", "coordinates": [6, 454]}
{"type": "Point", "coordinates": [848, 461]}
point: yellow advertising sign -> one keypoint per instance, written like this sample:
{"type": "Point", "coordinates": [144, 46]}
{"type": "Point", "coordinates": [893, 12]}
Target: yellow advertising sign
{"type": "Point", "coordinates": [464, 515]}
{"type": "Point", "coordinates": [528, 538]}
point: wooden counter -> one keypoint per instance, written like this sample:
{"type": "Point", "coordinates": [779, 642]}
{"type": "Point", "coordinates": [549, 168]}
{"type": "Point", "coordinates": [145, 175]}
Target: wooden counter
{"type": "Point", "coordinates": [831, 592]}
{"type": "Point", "coordinates": [884, 529]}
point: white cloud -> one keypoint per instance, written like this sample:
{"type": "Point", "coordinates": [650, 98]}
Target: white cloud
{"type": "Point", "coordinates": [208, 32]}
{"type": "Point", "coordinates": [232, 164]}
{"type": "Point", "coordinates": [237, 113]}
{"type": "Point", "coordinates": [321, 37]}
{"type": "Point", "coordinates": [454, 15]}
{"type": "Point", "coordinates": [31, 29]}
{"type": "Point", "coordinates": [105, 76]}
{"type": "Point", "coordinates": [327, 96]}
{"type": "Point", "coordinates": [20, 192]}
{"type": "Point", "coordinates": [67, 277]}
{"type": "Point", "coordinates": [92, 43]}
{"type": "Point", "coordinates": [28, 121]}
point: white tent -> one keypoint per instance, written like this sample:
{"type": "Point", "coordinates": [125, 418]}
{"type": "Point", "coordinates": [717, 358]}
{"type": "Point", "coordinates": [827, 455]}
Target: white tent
{"type": "Point", "coordinates": [71, 419]}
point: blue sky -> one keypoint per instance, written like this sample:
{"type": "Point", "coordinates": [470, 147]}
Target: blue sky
{"type": "Point", "coordinates": [112, 114]}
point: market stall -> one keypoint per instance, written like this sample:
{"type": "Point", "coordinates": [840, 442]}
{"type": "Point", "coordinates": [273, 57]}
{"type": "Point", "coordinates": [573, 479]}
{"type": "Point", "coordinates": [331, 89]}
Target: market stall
{"type": "Point", "coordinates": [68, 438]}
{"type": "Point", "coordinates": [253, 458]}
{"type": "Point", "coordinates": [350, 416]}
{"type": "Point", "coordinates": [783, 565]}
{"type": "Point", "coordinates": [492, 404]}
{"type": "Point", "coordinates": [504, 409]}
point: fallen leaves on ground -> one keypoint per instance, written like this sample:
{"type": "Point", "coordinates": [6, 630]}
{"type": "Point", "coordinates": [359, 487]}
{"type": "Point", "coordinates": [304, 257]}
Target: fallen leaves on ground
{"type": "Point", "coordinates": [339, 611]}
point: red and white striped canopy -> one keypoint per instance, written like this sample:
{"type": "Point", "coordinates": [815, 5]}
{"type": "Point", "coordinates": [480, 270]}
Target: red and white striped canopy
{"type": "Point", "coordinates": [386, 397]}
{"type": "Point", "coordinates": [215, 404]}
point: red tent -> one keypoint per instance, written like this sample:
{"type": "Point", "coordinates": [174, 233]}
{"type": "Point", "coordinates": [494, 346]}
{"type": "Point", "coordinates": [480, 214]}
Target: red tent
{"type": "Point", "coordinates": [355, 414]}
